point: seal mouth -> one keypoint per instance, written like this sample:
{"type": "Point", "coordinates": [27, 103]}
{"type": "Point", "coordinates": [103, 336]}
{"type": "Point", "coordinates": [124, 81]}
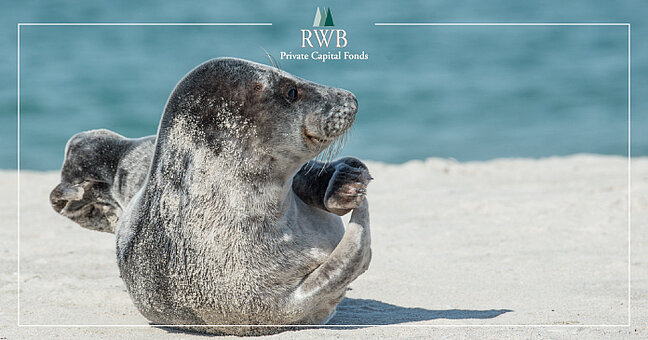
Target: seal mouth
{"type": "Point", "coordinates": [313, 139]}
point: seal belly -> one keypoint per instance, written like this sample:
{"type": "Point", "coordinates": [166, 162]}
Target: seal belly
{"type": "Point", "coordinates": [171, 281]}
{"type": "Point", "coordinates": [221, 277]}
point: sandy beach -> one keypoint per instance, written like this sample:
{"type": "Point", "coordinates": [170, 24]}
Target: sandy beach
{"type": "Point", "coordinates": [456, 246]}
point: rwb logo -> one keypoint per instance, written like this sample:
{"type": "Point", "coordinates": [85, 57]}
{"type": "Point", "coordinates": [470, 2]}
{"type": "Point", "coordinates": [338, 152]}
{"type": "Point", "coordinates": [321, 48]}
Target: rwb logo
{"type": "Point", "coordinates": [323, 18]}
{"type": "Point", "coordinates": [324, 37]}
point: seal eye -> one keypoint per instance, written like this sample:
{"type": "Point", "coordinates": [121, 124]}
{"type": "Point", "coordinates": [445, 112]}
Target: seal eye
{"type": "Point", "coordinates": [292, 94]}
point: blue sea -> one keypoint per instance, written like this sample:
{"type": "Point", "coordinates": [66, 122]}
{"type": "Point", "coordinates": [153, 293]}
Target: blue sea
{"type": "Point", "coordinates": [462, 92]}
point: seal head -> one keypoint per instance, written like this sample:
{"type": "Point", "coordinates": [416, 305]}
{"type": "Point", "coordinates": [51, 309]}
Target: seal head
{"type": "Point", "coordinates": [261, 119]}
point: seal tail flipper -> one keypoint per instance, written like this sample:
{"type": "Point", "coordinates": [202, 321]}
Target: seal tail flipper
{"type": "Point", "coordinates": [64, 193]}
{"type": "Point", "coordinates": [101, 172]}
{"type": "Point", "coordinates": [83, 203]}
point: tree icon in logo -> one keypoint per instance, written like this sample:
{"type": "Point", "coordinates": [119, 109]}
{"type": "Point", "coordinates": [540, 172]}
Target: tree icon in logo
{"type": "Point", "coordinates": [323, 17]}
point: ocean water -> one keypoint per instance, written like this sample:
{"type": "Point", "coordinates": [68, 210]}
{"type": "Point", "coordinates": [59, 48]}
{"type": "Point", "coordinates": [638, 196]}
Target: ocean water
{"type": "Point", "coordinates": [462, 92]}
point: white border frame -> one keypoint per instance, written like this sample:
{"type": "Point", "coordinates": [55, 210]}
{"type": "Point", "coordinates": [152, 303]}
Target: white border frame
{"type": "Point", "coordinates": [19, 25]}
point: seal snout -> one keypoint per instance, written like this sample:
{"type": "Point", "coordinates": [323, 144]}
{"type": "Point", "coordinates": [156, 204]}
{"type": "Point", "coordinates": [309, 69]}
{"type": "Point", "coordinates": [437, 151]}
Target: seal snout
{"type": "Point", "coordinates": [333, 115]}
{"type": "Point", "coordinates": [342, 114]}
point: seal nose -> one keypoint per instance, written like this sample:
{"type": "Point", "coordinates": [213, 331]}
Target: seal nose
{"type": "Point", "coordinates": [349, 102]}
{"type": "Point", "coordinates": [342, 114]}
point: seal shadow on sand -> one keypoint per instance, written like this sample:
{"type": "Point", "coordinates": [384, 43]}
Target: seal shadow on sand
{"type": "Point", "coordinates": [362, 313]}
{"type": "Point", "coordinates": [372, 312]}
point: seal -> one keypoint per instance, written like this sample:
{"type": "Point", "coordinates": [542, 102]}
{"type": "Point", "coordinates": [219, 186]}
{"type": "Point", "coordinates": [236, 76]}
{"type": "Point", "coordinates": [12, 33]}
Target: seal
{"type": "Point", "coordinates": [233, 223]}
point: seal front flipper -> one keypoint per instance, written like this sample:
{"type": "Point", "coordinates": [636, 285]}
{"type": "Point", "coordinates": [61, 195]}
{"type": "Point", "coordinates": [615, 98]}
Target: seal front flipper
{"type": "Point", "coordinates": [102, 170]}
{"type": "Point", "coordinates": [337, 187]}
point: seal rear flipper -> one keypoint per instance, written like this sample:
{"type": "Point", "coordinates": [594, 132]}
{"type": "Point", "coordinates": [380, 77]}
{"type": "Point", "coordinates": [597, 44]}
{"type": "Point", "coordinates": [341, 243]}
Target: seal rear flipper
{"type": "Point", "coordinates": [101, 171]}
{"type": "Point", "coordinates": [89, 204]}
{"type": "Point", "coordinates": [84, 193]}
